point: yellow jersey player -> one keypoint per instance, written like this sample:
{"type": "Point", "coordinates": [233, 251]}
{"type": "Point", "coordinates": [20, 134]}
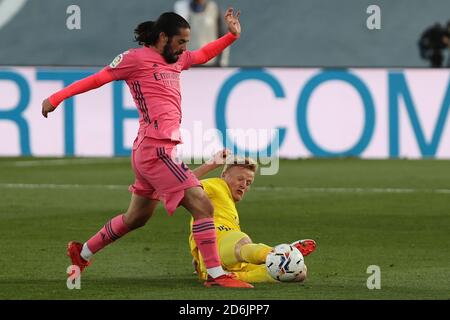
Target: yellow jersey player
{"type": "Point", "coordinates": [237, 251]}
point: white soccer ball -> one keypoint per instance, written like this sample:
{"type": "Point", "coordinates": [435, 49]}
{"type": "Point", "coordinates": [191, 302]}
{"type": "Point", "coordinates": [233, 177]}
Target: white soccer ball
{"type": "Point", "coordinates": [285, 263]}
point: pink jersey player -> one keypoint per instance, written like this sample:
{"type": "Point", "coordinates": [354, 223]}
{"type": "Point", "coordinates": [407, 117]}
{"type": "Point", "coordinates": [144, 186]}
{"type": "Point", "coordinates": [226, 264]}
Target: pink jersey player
{"type": "Point", "coordinates": [152, 74]}
{"type": "Point", "coordinates": [155, 87]}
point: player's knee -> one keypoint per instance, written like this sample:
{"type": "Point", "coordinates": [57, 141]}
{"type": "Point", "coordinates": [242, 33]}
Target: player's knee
{"type": "Point", "coordinates": [238, 246]}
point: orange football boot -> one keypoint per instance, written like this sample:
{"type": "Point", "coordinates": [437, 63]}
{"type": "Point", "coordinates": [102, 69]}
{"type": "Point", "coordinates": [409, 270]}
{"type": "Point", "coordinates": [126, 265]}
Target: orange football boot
{"type": "Point", "coordinates": [305, 246]}
{"type": "Point", "coordinates": [226, 281]}
{"type": "Point", "coordinates": [74, 252]}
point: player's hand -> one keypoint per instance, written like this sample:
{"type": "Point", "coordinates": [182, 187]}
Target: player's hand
{"type": "Point", "coordinates": [47, 107]}
{"type": "Point", "coordinates": [220, 157]}
{"type": "Point", "coordinates": [232, 21]}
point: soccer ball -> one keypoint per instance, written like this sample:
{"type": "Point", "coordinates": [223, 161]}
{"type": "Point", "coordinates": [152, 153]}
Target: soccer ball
{"type": "Point", "coordinates": [285, 263]}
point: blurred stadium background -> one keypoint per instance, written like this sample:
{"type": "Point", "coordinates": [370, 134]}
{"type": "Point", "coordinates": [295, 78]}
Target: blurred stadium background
{"type": "Point", "coordinates": [363, 132]}
{"type": "Point", "coordinates": [321, 33]}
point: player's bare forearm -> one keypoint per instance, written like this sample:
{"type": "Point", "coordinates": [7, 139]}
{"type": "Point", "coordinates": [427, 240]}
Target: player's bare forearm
{"type": "Point", "coordinates": [215, 162]}
{"type": "Point", "coordinates": [204, 169]}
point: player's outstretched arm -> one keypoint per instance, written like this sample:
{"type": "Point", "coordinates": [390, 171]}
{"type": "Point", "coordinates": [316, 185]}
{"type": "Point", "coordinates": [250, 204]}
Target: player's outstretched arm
{"type": "Point", "coordinates": [216, 161]}
{"type": "Point", "coordinates": [214, 48]}
{"type": "Point", "coordinates": [92, 82]}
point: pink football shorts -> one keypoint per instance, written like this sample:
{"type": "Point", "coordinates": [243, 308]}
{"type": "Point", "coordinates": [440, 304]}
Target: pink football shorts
{"type": "Point", "coordinates": [159, 175]}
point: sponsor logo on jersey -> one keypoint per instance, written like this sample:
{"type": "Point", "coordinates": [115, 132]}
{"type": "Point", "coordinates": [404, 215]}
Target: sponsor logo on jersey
{"type": "Point", "coordinates": [116, 61]}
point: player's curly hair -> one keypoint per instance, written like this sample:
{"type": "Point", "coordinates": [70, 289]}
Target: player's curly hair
{"type": "Point", "coordinates": [169, 22]}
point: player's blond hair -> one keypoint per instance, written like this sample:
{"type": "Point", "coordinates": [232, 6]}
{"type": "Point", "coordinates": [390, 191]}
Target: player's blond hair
{"type": "Point", "coordinates": [236, 161]}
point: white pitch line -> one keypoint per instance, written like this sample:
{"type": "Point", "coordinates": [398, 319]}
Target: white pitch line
{"type": "Point", "coordinates": [355, 190]}
{"type": "Point", "coordinates": [298, 189]}
{"type": "Point", "coordinates": [343, 190]}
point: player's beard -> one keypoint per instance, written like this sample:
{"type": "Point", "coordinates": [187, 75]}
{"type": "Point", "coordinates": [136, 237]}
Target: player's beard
{"type": "Point", "coordinates": [168, 54]}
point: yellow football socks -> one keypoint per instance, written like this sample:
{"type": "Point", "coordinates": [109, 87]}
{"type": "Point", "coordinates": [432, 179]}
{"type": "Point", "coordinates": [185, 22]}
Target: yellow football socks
{"type": "Point", "coordinates": [255, 252]}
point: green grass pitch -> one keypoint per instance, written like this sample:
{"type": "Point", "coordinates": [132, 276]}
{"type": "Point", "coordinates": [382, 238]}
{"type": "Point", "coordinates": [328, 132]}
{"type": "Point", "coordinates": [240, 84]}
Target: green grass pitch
{"type": "Point", "coordinates": [391, 213]}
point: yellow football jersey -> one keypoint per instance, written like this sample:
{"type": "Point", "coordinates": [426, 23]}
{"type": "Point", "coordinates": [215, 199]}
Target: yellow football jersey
{"type": "Point", "coordinates": [225, 214]}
